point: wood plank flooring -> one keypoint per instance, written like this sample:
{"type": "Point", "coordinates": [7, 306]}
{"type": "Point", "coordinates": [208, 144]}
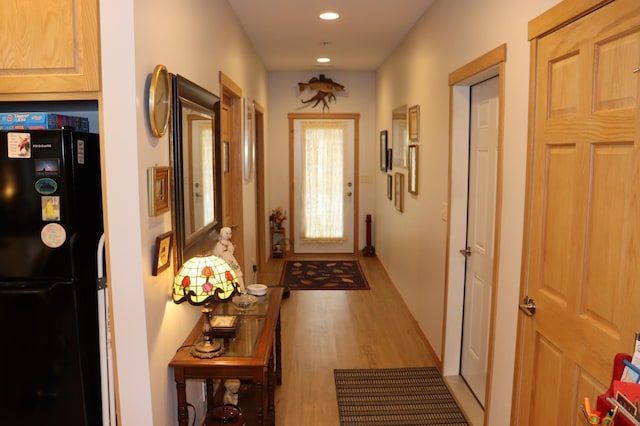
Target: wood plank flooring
{"type": "Point", "coordinates": [327, 329]}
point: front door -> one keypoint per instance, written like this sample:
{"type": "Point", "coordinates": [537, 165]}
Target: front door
{"type": "Point", "coordinates": [483, 156]}
{"type": "Point", "coordinates": [324, 184]}
{"type": "Point", "coordinates": [581, 259]}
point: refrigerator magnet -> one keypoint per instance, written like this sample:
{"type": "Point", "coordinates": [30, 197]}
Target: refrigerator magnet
{"type": "Point", "coordinates": [19, 145]}
{"type": "Point", "coordinates": [47, 166]}
{"type": "Point", "coordinates": [51, 208]}
{"type": "Point", "coordinates": [46, 186]}
{"type": "Point", "coordinates": [53, 235]}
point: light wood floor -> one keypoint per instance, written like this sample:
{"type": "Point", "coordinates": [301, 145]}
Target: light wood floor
{"type": "Point", "coordinates": [327, 329]}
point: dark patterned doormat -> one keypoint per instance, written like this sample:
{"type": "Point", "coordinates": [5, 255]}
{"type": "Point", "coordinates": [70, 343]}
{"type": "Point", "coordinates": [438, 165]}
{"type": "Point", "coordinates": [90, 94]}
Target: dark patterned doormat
{"type": "Point", "coordinates": [323, 275]}
{"type": "Point", "coordinates": [395, 396]}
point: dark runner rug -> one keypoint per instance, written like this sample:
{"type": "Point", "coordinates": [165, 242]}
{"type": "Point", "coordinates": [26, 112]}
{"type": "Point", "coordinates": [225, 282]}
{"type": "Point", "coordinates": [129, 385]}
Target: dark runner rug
{"type": "Point", "coordinates": [323, 275]}
{"type": "Point", "coordinates": [395, 396]}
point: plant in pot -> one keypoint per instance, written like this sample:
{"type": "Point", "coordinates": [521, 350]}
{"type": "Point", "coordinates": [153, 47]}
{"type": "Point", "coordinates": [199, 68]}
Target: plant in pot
{"type": "Point", "coordinates": [277, 217]}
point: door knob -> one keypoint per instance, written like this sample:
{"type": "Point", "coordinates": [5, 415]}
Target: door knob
{"type": "Point", "coordinates": [466, 252]}
{"type": "Point", "coordinates": [528, 306]}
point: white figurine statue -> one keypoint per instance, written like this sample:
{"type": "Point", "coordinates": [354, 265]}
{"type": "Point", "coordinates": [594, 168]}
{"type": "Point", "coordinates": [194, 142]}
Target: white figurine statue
{"type": "Point", "coordinates": [224, 250]}
{"type": "Point", "coordinates": [231, 394]}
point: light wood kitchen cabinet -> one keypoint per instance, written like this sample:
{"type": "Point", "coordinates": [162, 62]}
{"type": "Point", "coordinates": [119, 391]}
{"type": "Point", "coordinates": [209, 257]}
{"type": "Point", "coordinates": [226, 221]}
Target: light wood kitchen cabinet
{"type": "Point", "coordinates": [49, 46]}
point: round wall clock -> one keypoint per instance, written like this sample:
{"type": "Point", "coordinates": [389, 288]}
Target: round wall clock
{"type": "Point", "coordinates": [159, 100]}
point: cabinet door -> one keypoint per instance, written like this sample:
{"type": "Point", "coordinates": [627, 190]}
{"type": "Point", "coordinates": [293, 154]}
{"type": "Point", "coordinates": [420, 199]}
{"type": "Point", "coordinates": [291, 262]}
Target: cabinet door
{"type": "Point", "coordinates": [49, 46]}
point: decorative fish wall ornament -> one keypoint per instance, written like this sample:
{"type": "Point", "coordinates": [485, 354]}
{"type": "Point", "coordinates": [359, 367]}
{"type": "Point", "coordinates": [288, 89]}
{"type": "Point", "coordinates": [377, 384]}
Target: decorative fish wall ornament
{"type": "Point", "coordinates": [325, 90]}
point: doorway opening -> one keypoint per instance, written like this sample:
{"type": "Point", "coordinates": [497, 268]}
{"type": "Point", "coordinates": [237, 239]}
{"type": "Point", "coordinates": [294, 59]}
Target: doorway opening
{"type": "Point", "coordinates": [259, 186]}
{"type": "Point", "coordinates": [324, 167]}
{"type": "Point", "coordinates": [231, 113]}
{"type": "Point", "coordinates": [460, 81]}
{"type": "Point", "coordinates": [478, 251]}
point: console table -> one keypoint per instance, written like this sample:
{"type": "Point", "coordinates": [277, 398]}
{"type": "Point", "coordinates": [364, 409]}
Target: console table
{"type": "Point", "coordinates": [253, 355]}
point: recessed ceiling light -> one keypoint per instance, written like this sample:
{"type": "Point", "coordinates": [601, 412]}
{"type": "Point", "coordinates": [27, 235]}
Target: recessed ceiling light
{"type": "Point", "coordinates": [329, 16]}
{"type": "Point", "coordinates": [323, 60]}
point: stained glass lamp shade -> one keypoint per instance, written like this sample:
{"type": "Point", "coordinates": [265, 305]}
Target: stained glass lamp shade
{"type": "Point", "coordinates": [201, 280]}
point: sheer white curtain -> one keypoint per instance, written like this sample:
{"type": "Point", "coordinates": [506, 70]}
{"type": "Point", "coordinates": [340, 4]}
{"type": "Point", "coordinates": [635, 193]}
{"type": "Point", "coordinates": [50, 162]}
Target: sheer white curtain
{"type": "Point", "coordinates": [323, 181]}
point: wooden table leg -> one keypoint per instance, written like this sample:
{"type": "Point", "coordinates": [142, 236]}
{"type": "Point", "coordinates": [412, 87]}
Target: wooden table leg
{"type": "Point", "coordinates": [183, 414]}
{"type": "Point", "coordinates": [210, 399]}
{"type": "Point", "coordinates": [278, 353]}
{"type": "Point", "coordinates": [271, 391]}
{"type": "Point", "coordinates": [259, 389]}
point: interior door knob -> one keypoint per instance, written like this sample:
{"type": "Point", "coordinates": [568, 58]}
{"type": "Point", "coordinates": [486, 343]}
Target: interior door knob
{"type": "Point", "coordinates": [466, 252]}
{"type": "Point", "coordinates": [528, 306]}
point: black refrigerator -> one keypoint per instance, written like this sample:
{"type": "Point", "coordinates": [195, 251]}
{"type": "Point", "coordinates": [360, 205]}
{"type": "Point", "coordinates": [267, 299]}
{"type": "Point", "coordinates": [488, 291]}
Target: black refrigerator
{"type": "Point", "coordinates": [50, 224]}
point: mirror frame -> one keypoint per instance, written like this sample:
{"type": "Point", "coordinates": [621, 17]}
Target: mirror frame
{"type": "Point", "coordinates": [185, 92]}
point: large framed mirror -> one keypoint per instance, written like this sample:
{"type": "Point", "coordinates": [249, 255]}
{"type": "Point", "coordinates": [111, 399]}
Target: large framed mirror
{"type": "Point", "coordinates": [197, 169]}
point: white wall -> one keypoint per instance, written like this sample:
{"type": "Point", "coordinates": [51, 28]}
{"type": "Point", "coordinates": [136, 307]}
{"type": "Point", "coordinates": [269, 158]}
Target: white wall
{"type": "Point", "coordinates": [197, 39]}
{"type": "Point", "coordinates": [285, 97]}
{"type": "Point", "coordinates": [412, 244]}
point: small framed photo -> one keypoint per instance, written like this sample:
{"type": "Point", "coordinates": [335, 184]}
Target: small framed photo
{"type": "Point", "coordinates": [390, 159]}
{"type": "Point", "coordinates": [399, 135]}
{"type": "Point", "coordinates": [224, 326]}
{"type": "Point", "coordinates": [162, 258]}
{"type": "Point", "coordinates": [390, 187]}
{"type": "Point", "coordinates": [414, 123]}
{"type": "Point", "coordinates": [158, 190]}
{"type": "Point", "coordinates": [413, 170]}
{"type": "Point", "coordinates": [383, 151]}
{"type": "Point", "coordinates": [399, 192]}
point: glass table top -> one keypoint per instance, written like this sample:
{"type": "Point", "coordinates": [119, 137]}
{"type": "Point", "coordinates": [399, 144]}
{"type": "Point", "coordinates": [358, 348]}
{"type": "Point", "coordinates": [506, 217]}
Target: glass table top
{"type": "Point", "coordinates": [260, 307]}
{"type": "Point", "coordinates": [246, 341]}
{"type": "Point", "coordinates": [250, 324]}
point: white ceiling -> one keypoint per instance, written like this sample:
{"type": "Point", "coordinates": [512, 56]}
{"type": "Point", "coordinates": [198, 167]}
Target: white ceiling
{"type": "Point", "coordinates": [289, 36]}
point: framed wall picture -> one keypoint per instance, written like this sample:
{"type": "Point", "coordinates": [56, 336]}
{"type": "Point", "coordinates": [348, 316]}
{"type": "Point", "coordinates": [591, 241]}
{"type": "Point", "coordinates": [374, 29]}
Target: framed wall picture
{"type": "Point", "coordinates": [414, 123]}
{"type": "Point", "coordinates": [390, 159]}
{"type": "Point", "coordinates": [399, 192]}
{"type": "Point", "coordinates": [383, 151]}
{"type": "Point", "coordinates": [162, 258]}
{"type": "Point", "coordinates": [399, 138]}
{"type": "Point", "coordinates": [389, 187]}
{"type": "Point", "coordinates": [158, 190]}
{"type": "Point", "coordinates": [413, 170]}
